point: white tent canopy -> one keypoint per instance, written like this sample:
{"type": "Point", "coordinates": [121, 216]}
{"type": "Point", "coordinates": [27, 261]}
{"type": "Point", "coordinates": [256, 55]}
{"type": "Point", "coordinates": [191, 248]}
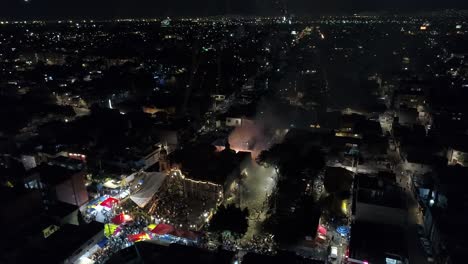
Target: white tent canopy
{"type": "Point", "coordinates": [152, 183]}
{"type": "Point", "coordinates": [112, 184]}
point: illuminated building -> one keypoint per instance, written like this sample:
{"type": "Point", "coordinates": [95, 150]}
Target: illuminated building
{"type": "Point", "coordinates": [163, 160]}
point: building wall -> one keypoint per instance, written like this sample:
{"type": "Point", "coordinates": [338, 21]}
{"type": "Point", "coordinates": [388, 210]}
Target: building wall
{"type": "Point", "coordinates": [233, 122]}
{"type": "Point", "coordinates": [151, 158]}
{"type": "Point", "coordinates": [83, 249]}
{"type": "Point", "coordinates": [457, 157]}
{"type": "Point", "coordinates": [434, 235]}
{"type": "Point", "coordinates": [199, 189]}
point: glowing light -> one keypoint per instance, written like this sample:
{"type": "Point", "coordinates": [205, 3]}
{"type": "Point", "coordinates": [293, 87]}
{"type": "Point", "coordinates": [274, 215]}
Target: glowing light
{"type": "Point", "coordinates": [344, 207]}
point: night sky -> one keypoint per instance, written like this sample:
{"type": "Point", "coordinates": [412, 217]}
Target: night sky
{"type": "Point", "coordinates": [56, 9]}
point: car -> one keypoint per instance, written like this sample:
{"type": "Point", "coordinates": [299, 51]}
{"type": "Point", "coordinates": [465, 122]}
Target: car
{"type": "Point", "coordinates": [428, 250]}
{"type": "Point", "coordinates": [424, 241]}
{"type": "Point", "coordinates": [334, 252]}
{"type": "Point", "coordinates": [420, 230]}
{"type": "Point", "coordinates": [430, 258]}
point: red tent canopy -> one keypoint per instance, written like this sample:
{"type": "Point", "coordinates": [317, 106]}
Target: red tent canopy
{"type": "Point", "coordinates": [121, 218]}
{"type": "Point", "coordinates": [162, 229]}
{"type": "Point", "coordinates": [109, 202]}
{"type": "Point", "coordinates": [322, 230]}
{"type": "Point", "coordinates": [138, 237]}
{"type": "Point", "coordinates": [185, 234]}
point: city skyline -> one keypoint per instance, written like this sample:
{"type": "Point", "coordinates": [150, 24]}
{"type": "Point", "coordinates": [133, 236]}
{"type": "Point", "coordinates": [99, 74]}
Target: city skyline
{"type": "Point", "coordinates": [233, 132]}
{"type": "Point", "coordinates": [105, 9]}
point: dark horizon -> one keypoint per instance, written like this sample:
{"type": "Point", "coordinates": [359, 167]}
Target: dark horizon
{"type": "Point", "coordinates": [107, 9]}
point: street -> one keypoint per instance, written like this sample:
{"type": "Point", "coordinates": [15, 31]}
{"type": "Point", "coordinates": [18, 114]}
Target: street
{"type": "Point", "coordinates": [415, 252]}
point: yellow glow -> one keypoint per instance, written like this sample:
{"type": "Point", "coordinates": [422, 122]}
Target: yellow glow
{"type": "Point", "coordinates": [109, 229]}
{"type": "Point", "coordinates": [195, 181]}
{"type": "Point", "coordinates": [344, 207]}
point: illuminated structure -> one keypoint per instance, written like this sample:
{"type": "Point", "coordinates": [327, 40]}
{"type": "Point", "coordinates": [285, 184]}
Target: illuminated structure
{"type": "Point", "coordinates": [166, 22]}
{"type": "Point", "coordinates": [163, 161]}
{"type": "Point", "coordinates": [205, 173]}
{"type": "Point", "coordinates": [196, 188]}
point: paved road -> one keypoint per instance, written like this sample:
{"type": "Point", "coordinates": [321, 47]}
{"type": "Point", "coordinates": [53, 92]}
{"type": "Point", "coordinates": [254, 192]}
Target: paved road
{"type": "Point", "coordinates": [415, 250]}
{"type": "Point", "coordinates": [341, 244]}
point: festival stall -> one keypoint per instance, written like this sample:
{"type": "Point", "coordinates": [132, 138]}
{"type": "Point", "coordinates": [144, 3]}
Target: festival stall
{"type": "Point", "coordinates": [109, 202]}
{"type": "Point", "coordinates": [121, 219]}
{"type": "Point", "coordinates": [162, 229]}
{"type": "Point", "coordinates": [138, 237]}
{"type": "Point", "coordinates": [111, 229]}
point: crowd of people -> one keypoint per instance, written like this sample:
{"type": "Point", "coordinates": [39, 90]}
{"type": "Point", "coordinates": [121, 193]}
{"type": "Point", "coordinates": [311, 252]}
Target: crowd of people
{"type": "Point", "coordinates": [173, 210]}
{"type": "Point", "coordinates": [262, 244]}
{"type": "Point", "coordinates": [172, 207]}
{"type": "Point", "coordinates": [176, 209]}
{"type": "Point", "coordinates": [118, 242]}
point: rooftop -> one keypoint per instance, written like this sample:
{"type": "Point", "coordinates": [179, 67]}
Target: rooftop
{"type": "Point", "coordinates": [366, 245]}
{"type": "Point", "coordinates": [202, 162]}
{"type": "Point", "coordinates": [388, 198]}
{"type": "Point", "coordinates": [61, 244]}
{"type": "Point", "coordinates": [53, 174]}
{"type": "Point", "coordinates": [281, 257]}
{"type": "Point", "coordinates": [150, 252]}
{"type": "Point", "coordinates": [379, 191]}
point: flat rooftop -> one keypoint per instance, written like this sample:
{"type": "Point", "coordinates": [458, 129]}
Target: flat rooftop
{"type": "Point", "coordinates": [372, 242]}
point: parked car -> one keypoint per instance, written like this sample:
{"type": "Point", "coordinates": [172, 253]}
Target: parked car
{"type": "Point", "coordinates": [420, 230]}
{"type": "Point", "coordinates": [424, 241]}
{"type": "Point", "coordinates": [334, 252]}
{"type": "Point", "coordinates": [430, 259]}
{"type": "Point", "coordinates": [428, 250]}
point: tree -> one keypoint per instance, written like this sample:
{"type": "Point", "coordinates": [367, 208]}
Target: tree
{"type": "Point", "coordinates": [289, 228]}
{"type": "Point", "coordinates": [230, 218]}
{"type": "Point", "coordinates": [295, 214]}
{"type": "Point", "coordinates": [337, 180]}
{"type": "Point", "coordinates": [292, 158]}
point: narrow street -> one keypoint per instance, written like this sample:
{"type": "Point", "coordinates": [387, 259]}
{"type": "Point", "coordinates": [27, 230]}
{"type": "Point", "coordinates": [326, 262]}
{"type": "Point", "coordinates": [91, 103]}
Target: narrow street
{"type": "Point", "coordinates": [415, 252]}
